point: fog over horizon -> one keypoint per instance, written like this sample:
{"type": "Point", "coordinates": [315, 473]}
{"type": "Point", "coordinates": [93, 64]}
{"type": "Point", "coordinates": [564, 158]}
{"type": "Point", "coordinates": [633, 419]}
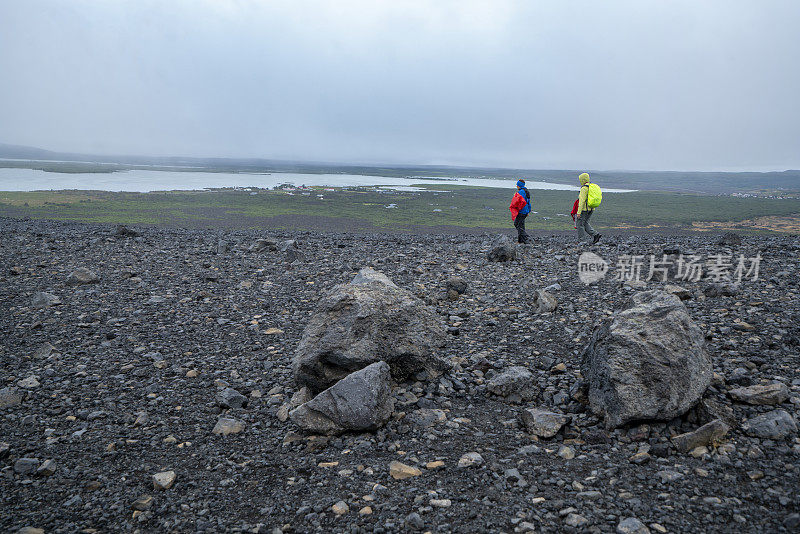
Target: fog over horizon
{"type": "Point", "coordinates": [662, 85]}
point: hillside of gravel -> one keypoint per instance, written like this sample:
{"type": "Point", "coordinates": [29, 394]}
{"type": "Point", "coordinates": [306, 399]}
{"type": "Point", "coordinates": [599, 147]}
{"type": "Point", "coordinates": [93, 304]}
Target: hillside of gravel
{"type": "Point", "coordinates": [147, 374]}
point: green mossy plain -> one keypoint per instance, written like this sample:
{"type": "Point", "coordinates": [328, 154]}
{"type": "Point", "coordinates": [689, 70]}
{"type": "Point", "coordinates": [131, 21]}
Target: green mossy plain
{"type": "Point", "coordinates": [441, 205]}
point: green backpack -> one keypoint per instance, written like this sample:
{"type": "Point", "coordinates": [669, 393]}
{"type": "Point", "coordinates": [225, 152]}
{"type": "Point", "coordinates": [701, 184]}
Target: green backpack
{"type": "Point", "coordinates": [593, 196]}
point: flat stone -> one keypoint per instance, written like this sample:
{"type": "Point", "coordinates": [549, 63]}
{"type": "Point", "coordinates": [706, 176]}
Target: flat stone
{"type": "Point", "coordinates": [227, 425]}
{"type": "Point", "coordinates": [143, 503]}
{"type": "Point", "coordinates": [774, 393]}
{"type": "Point", "coordinates": [25, 466]}
{"type": "Point", "coordinates": [708, 434]}
{"type": "Point", "coordinates": [401, 471]}
{"type": "Point", "coordinates": [542, 423]}
{"type": "Point", "coordinates": [631, 525]}
{"type": "Point", "coordinates": [43, 300]}
{"type": "Point", "coordinates": [82, 275]}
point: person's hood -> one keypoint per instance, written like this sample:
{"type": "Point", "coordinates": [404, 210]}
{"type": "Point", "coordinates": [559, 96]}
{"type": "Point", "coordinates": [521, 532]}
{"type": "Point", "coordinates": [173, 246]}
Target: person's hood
{"type": "Point", "coordinates": [584, 178]}
{"type": "Point", "coordinates": [521, 184]}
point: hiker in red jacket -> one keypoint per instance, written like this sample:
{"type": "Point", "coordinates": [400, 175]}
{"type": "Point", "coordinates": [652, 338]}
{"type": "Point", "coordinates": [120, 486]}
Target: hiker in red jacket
{"type": "Point", "coordinates": [520, 208]}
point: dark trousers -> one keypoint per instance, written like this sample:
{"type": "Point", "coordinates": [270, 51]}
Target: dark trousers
{"type": "Point", "coordinates": [519, 224]}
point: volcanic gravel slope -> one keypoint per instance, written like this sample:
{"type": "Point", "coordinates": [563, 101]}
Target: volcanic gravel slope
{"type": "Point", "coordinates": [120, 381]}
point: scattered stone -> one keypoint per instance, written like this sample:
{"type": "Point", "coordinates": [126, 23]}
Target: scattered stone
{"type": "Point", "coordinates": [340, 508]}
{"type": "Point", "coordinates": [542, 423]}
{"type": "Point", "coordinates": [9, 397]}
{"type": "Point", "coordinates": [680, 292]}
{"type": "Point", "coordinates": [30, 530]}
{"type": "Point", "coordinates": [575, 520]}
{"type": "Point", "coordinates": [774, 393]}
{"type": "Point", "coordinates": [457, 284]}
{"type": "Point", "coordinates": [164, 480]}
{"type": "Point", "coordinates": [426, 417]}
{"type": "Point", "coordinates": [363, 322]}
{"type": "Point", "coordinates": [708, 434]}
{"type": "Point", "coordinates": [81, 276]}
{"type": "Point", "coordinates": [470, 459]}
{"type": "Point", "coordinates": [25, 466]}
{"type": "Point", "coordinates": [401, 471]}
{"type": "Point", "coordinates": [544, 302]}
{"type": "Point", "coordinates": [48, 468]}
{"type": "Point", "coordinates": [43, 300]}
{"type": "Point", "coordinates": [648, 362]}
{"type": "Point", "coordinates": [502, 252]}
{"type": "Point", "coordinates": [516, 381]}
{"type": "Point", "coordinates": [631, 525]}
{"type": "Point", "coordinates": [360, 401]}
{"type": "Point", "coordinates": [264, 244]}
{"type": "Point", "coordinates": [143, 503]}
{"type": "Point", "coordinates": [566, 452]}
{"type": "Point", "coordinates": [230, 398]}
{"type": "Point", "coordinates": [29, 383]}
{"type": "Point", "coordinates": [227, 425]}
{"type": "Point", "coordinates": [777, 424]}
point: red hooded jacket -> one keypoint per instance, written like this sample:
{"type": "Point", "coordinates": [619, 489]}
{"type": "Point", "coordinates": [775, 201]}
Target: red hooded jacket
{"type": "Point", "coordinates": [517, 203]}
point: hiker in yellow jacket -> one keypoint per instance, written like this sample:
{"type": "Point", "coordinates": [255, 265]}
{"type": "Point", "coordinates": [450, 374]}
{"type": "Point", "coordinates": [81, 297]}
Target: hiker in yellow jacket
{"type": "Point", "coordinates": [585, 231]}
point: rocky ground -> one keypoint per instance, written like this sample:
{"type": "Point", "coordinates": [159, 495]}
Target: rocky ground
{"type": "Point", "coordinates": [148, 399]}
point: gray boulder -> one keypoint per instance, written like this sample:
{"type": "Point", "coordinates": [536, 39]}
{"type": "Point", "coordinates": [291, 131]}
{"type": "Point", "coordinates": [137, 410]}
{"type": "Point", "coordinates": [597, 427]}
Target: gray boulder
{"type": "Point", "coordinates": [502, 252]}
{"type": "Point", "coordinates": [81, 276]}
{"type": "Point", "coordinates": [544, 302]}
{"type": "Point", "coordinates": [43, 300]}
{"type": "Point", "coordinates": [515, 381]}
{"type": "Point", "coordinates": [360, 401]}
{"type": "Point", "coordinates": [366, 321]}
{"type": "Point", "coordinates": [262, 244]}
{"type": "Point", "coordinates": [542, 423]}
{"type": "Point", "coordinates": [777, 424]}
{"type": "Point", "coordinates": [774, 393]}
{"type": "Point", "coordinates": [648, 362]}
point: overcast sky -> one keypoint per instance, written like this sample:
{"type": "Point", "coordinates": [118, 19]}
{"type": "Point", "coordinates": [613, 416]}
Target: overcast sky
{"type": "Point", "coordinates": [673, 84]}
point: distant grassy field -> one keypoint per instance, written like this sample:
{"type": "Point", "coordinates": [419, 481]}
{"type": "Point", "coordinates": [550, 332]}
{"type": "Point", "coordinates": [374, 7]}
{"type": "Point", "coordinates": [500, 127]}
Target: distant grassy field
{"type": "Point", "coordinates": [457, 206]}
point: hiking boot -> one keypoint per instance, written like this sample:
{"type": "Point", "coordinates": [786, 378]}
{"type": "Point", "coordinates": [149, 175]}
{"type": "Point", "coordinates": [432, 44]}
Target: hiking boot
{"type": "Point", "coordinates": [596, 238]}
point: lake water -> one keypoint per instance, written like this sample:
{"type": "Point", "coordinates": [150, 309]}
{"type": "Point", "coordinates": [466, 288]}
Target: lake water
{"type": "Point", "coordinates": [144, 180]}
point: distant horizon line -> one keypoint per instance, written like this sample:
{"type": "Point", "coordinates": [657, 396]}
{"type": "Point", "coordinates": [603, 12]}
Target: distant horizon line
{"type": "Point", "coordinates": [365, 164]}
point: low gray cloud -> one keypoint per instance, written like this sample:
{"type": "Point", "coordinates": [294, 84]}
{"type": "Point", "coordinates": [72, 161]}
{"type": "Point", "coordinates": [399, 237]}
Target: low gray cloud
{"type": "Point", "coordinates": [584, 84]}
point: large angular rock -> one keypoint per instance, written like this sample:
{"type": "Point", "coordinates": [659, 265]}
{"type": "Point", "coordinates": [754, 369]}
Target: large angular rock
{"type": "Point", "coordinates": [707, 434]}
{"type": "Point", "coordinates": [502, 252]}
{"type": "Point", "coordinates": [515, 381]}
{"type": "Point", "coordinates": [360, 401]}
{"type": "Point", "coordinates": [82, 275]}
{"type": "Point", "coordinates": [777, 424]}
{"type": "Point", "coordinates": [774, 393]}
{"type": "Point", "coordinates": [363, 322]}
{"type": "Point", "coordinates": [648, 362]}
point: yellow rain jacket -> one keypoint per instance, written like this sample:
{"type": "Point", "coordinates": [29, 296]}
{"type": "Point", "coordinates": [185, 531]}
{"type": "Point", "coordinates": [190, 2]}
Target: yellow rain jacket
{"type": "Point", "coordinates": [584, 194]}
